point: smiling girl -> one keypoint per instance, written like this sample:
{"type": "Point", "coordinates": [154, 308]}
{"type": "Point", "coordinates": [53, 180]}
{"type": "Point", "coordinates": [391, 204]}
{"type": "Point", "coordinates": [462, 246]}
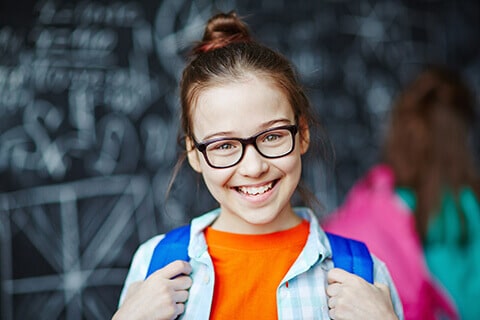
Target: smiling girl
{"type": "Point", "coordinates": [246, 122]}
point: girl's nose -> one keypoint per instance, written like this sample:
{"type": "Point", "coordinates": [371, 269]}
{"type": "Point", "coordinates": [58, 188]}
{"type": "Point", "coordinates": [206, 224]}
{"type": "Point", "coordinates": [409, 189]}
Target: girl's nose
{"type": "Point", "coordinates": [253, 163]}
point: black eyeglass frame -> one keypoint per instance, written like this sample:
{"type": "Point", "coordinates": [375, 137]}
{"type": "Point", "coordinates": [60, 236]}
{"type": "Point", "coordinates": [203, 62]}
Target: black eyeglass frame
{"type": "Point", "coordinates": [202, 146]}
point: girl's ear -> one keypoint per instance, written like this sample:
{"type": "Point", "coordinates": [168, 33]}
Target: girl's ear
{"type": "Point", "coordinates": [192, 155]}
{"type": "Point", "coordinates": [304, 131]}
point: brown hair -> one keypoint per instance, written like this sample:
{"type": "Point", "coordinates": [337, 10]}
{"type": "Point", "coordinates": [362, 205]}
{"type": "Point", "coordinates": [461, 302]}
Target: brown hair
{"type": "Point", "coordinates": [228, 53]}
{"type": "Point", "coordinates": [427, 144]}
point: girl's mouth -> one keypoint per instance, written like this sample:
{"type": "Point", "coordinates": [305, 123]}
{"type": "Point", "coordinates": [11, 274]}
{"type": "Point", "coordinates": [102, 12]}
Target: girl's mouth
{"type": "Point", "coordinates": [254, 191]}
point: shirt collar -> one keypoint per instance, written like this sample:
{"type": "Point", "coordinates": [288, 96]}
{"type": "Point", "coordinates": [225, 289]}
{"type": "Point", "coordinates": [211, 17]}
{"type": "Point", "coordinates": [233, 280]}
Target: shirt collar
{"type": "Point", "coordinates": [317, 246]}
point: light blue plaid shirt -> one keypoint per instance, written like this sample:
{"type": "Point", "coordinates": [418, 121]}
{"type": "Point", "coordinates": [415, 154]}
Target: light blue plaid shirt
{"type": "Point", "coordinates": [305, 296]}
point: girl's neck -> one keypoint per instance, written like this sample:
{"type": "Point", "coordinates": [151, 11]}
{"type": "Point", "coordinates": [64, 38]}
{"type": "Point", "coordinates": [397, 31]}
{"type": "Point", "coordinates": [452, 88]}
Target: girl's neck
{"type": "Point", "coordinates": [234, 224]}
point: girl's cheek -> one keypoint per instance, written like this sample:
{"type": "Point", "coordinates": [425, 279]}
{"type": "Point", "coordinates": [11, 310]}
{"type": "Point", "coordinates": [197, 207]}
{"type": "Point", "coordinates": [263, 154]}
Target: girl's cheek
{"type": "Point", "coordinates": [217, 176]}
{"type": "Point", "coordinates": [290, 163]}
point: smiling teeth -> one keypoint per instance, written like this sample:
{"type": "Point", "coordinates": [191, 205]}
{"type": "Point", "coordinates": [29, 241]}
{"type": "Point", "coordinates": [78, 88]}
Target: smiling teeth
{"type": "Point", "coordinates": [256, 190]}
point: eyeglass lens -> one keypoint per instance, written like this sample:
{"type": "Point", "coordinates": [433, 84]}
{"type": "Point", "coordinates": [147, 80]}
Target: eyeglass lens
{"type": "Point", "coordinates": [270, 144]}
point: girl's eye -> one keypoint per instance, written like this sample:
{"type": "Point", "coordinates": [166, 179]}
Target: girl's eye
{"type": "Point", "coordinates": [272, 137]}
{"type": "Point", "coordinates": [277, 136]}
{"type": "Point", "coordinates": [224, 146]}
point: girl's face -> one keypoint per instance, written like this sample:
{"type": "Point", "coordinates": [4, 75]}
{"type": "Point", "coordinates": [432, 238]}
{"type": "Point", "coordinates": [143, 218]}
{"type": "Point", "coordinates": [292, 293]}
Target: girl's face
{"type": "Point", "coordinates": [254, 195]}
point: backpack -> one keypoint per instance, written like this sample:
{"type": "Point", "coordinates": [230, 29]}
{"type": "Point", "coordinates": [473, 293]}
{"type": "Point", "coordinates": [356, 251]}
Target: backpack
{"type": "Point", "coordinates": [374, 214]}
{"type": "Point", "coordinates": [348, 254]}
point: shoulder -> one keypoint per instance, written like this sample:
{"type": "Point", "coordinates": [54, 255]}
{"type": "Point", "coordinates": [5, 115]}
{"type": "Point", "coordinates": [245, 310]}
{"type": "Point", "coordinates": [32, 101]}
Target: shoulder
{"type": "Point", "coordinates": [380, 272]}
{"type": "Point", "coordinates": [145, 250]}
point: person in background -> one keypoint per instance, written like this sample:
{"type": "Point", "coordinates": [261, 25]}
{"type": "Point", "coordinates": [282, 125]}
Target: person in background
{"type": "Point", "coordinates": [419, 209]}
{"type": "Point", "coordinates": [246, 122]}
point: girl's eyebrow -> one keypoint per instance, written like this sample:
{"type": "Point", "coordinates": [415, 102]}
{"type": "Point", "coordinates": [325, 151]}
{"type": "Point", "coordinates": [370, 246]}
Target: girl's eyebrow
{"type": "Point", "coordinates": [217, 135]}
{"type": "Point", "coordinates": [263, 126]}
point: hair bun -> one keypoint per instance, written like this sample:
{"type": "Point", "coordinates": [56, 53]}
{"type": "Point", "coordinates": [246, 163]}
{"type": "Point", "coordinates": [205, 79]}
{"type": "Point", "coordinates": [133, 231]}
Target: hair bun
{"type": "Point", "coordinates": [221, 30]}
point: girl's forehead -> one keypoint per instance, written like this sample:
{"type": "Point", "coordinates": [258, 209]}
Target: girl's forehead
{"type": "Point", "coordinates": [240, 106]}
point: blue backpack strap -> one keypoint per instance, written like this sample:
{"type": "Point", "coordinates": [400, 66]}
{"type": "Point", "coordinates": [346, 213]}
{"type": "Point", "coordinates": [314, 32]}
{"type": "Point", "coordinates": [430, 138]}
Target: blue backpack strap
{"type": "Point", "coordinates": [352, 256]}
{"type": "Point", "coordinates": [348, 254]}
{"type": "Point", "coordinates": [173, 246]}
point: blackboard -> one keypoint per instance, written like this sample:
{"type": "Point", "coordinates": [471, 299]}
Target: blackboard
{"type": "Point", "coordinates": [89, 117]}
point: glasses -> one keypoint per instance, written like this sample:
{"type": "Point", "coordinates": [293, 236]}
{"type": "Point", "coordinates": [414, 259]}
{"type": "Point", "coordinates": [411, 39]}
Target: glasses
{"type": "Point", "coordinates": [226, 152]}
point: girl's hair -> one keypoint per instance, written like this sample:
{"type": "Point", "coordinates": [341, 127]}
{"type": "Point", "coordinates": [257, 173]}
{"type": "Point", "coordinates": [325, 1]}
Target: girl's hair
{"type": "Point", "coordinates": [427, 144]}
{"type": "Point", "coordinates": [227, 53]}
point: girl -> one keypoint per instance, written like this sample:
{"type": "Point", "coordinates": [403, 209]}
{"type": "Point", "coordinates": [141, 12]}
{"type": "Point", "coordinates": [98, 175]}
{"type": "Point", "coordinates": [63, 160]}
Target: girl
{"type": "Point", "coordinates": [428, 187]}
{"type": "Point", "coordinates": [246, 122]}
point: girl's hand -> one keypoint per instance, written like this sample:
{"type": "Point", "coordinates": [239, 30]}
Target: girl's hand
{"type": "Point", "coordinates": [351, 297]}
{"type": "Point", "coordinates": [161, 296]}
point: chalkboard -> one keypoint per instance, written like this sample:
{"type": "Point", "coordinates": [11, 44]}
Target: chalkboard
{"type": "Point", "coordinates": [89, 122]}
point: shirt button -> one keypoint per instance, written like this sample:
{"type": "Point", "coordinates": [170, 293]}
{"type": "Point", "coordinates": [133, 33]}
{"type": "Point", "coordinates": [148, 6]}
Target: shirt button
{"type": "Point", "coordinates": [206, 279]}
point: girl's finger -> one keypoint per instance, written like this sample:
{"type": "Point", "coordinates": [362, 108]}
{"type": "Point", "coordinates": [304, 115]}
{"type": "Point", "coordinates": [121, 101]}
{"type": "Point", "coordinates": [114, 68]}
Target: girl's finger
{"type": "Point", "coordinates": [174, 269]}
{"type": "Point", "coordinates": [181, 283]}
{"type": "Point", "coordinates": [333, 289]}
{"type": "Point", "coordinates": [337, 275]}
{"type": "Point", "coordinates": [180, 296]}
{"type": "Point", "coordinates": [332, 302]}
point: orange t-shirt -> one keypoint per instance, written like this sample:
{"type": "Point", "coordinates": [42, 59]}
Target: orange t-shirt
{"type": "Point", "coordinates": [249, 268]}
